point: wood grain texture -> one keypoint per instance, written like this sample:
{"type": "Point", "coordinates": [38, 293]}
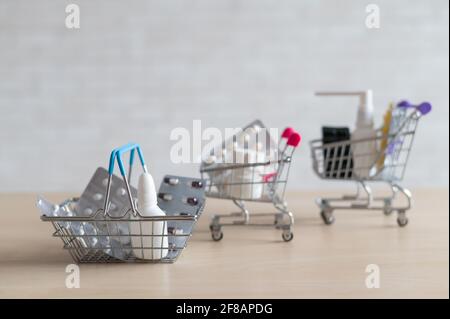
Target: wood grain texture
{"type": "Point", "coordinates": [321, 261]}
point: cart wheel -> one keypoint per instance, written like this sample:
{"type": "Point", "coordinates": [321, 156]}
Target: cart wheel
{"type": "Point", "coordinates": [287, 236]}
{"type": "Point", "coordinates": [217, 235]}
{"type": "Point", "coordinates": [327, 218]}
{"type": "Point", "coordinates": [402, 220]}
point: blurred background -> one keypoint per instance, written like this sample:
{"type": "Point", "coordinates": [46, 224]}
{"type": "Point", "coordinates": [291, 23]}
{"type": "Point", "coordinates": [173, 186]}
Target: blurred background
{"type": "Point", "coordinates": [136, 70]}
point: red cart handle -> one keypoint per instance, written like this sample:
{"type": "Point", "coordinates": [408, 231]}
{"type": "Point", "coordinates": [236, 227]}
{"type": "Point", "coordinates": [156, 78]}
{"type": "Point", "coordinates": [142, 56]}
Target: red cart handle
{"type": "Point", "coordinates": [294, 140]}
{"type": "Point", "coordinates": [287, 132]}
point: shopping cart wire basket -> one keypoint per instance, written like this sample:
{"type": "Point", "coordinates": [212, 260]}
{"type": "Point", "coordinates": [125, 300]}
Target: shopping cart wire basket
{"type": "Point", "coordinates": [251, 167]}
{"type": "Point", "coordinates": [105, 225]}
{"type": "Point", "coordinates": [387, 164]}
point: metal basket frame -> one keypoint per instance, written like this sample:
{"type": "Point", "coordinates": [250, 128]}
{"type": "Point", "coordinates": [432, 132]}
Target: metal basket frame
{"type": "Point", "coordinates": [81, 253]}
{"type": "Point", "coordinates": [78, 244]}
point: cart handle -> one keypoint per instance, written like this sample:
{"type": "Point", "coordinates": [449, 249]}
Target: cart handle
{"type": "Point", "coordinates": [294, 140]}
{"type": "Point", "coordinates": [288, 131]}
{"type": "Point", "coordinates": [118, 152]}
{"type": "Point", "coordinates": [292, 136]}
{"type": "Point", "coordinates": [424, 108]}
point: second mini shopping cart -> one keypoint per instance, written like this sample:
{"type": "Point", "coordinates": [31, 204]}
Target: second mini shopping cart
{"type": "Point", "coordinates": [251, 167]}
{"type": "Point", "coordinates": [386, 163]}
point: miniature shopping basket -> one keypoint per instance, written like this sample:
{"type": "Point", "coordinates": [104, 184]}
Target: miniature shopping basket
{"type": "Point", "coordinates": [251, 167]}
{"type": "Point", "coordinates": [387, 164]}
{"type": "Point", "coordinates": [105, 225]}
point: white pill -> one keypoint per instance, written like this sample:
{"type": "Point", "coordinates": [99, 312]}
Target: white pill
{"type": "Point", "coordinates": [171, 181]}
{"type": "Point", "coordinates": [121, 191]}
{"type": "Point", "coordinates": [178, 231]}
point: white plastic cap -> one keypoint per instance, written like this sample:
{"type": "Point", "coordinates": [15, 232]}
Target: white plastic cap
{"type": "Point", "coordinates": [146, 191]}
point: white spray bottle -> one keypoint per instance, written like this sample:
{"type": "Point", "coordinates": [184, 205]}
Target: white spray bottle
{"type": "Point", "coordinates": [155, 241]}
{"type": "Point", "coordinates": [364, 147]}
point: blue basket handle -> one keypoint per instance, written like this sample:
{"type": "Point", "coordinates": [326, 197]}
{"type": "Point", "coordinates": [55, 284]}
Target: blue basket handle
{"type": "Point", "coordinates": [117, 154]}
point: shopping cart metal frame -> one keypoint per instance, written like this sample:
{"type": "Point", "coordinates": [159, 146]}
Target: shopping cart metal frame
{"type": "Point", "coordinates": [275, 183]}
{"type": "Point", "coordinates": [78, 244]}
{"type": "Point", "coordinates": [390, 172]}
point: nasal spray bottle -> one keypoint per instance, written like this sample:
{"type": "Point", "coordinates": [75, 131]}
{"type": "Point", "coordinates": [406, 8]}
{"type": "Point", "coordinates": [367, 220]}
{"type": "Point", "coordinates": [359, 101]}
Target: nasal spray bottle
{"type": "Point", "coordinates": [153, 244]}
{"type": "Point", "coordinates": [364, 147]}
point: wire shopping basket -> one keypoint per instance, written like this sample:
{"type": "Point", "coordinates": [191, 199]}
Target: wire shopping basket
{"type": "Point", "coordinates": [386, 163]}
{"type": "Point", "coordinates": [105, 225]}
{"type": "Point", "coordinates": [251, 167]}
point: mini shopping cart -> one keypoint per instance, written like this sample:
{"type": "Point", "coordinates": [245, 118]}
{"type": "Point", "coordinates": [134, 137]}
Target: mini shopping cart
{"type": "Point", "coordinates": [104, 225]}
{"type": "Point", "coordinates": [334, 161]}
{"type": "Point", "coordinates": [257, 172]}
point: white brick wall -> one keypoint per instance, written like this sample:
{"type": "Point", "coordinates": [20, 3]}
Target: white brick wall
{"type": "Point", "coordinates": [137, 69]}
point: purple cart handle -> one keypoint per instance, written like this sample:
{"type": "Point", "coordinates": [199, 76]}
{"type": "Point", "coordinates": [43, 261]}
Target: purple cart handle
{"type": "Point", "coordinates": [424, 108]}
{"type": "Point", "coordinates": [405, 104]}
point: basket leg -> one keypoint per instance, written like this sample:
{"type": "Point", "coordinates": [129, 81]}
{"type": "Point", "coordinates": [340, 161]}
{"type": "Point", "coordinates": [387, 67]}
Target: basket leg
{"type": "Point", "coordinates": [283, 219]}
{"type": "Point", "coordinates": [389, 207]}
{"type": "Point", "coordinates": [243, 218]}
{"type": "Point", "coordinates": [406, 194]}
{"type": "Point", "coordinates": [368, 192]}
{"type": "Point", "coordinates": [402, 219]}
{"type": "Point", "coordinates": [282, 222]}
{"type": "Point", "coordinates": [326, 213]}
{"type": "Point", "coordinates": [388, 201]}
{"type": "Point", "coordinates": [244, 213]}
{"type": "Point", "coordinates": [285, 224]}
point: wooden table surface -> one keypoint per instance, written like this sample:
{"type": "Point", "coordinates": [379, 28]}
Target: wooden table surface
{"type": "Point", "coordinates": [321, 262]}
